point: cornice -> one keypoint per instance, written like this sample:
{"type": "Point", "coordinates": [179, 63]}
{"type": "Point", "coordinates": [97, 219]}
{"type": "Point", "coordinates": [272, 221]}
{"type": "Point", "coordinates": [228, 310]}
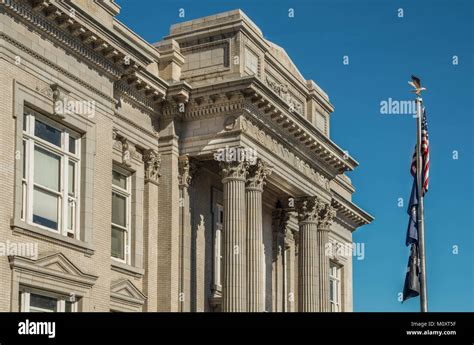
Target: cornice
{"type": "Point", "coordinates": [152, 134]}
{"type": "Point", "coordinates": [344, 182]}
{"type": "Point", "coordinates": [110, 6]}
{"type": "Point", "coordinates": [285, 151]}
{"type": "Point", "coordinates": [298, 127]}
{"type": "Point", "coordinates": [45, 17]}
{"type": "Point", "coordinates": [55, 67]}
{"type": "Point", "coordinates": [141, 82]}
{"type": "Point", "coordinates": [350, 211]}
{"type": "Point", "coordinates": [212, 105]}
{"type": "Point", "coordinates": [274, 110]}
{"type": "Point", "coordinates": [96, 47]}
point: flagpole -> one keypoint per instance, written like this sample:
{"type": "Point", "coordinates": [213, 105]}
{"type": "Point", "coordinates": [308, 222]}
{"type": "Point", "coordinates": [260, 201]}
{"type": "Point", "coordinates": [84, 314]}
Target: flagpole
{"type": "Point", "coordinates": [421, 211]}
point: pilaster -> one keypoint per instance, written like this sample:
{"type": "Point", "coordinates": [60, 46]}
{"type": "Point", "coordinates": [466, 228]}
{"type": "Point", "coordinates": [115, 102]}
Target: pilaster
{"type": "Point", "coordinates": [186, 169]}
{"type": "Point", "coordinates": [152, 162]}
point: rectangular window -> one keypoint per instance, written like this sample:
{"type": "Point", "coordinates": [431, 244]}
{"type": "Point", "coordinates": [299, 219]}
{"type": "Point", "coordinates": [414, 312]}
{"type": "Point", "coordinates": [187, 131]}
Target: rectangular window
{"type": "Point", "coordinates": [50, 176]}
{"type": "Point", "coordinates": [218, 243]}
{"type": "Point", "coordinates": [121, 214]}
{"type": "Point", "coordinates": [33, 301]}
{"type": "Point", "coordinates": [335, 291]}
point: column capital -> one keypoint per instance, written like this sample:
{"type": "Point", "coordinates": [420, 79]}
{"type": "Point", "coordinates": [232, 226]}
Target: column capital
{"type": "Point", "coordinates": [309, 208]}
{"type": "Point", "coordinates": [234, 170]}
{"type": "Point", "coordinates": [326, 217]}
{"type": "Point", "coordinates": [187, 169]}
{"type": "Point", "coordinates": [257, 175]}
{"type": "Point", "coordinates": [152, 160]}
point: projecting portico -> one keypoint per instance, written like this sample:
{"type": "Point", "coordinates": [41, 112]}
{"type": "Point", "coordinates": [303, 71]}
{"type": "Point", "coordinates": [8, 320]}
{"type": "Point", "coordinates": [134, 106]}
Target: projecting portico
{"type": "Point", "coordinates": [252, 140]}
{"type": "Point", "coordinates": [286, 164]}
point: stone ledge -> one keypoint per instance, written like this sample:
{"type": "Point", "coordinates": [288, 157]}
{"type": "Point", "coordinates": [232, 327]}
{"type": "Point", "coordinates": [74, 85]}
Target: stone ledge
{"type": "Point", "coordinates": [21, 227]}
{"type": "Point", "coordinates": [126, 269]}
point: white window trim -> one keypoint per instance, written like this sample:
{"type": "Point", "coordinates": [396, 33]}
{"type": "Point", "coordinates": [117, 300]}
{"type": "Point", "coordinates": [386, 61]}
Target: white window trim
{"type": "Point", "coordinates": [218, 248]}
{"type": "Point", "coordinates": [25, 306]}
{"type": "Point", "coordinates": [337, 284]}
{"type": "Point", "coordinates": [65, 157]}
{"type": "Point", "coordinates": [127, 193]}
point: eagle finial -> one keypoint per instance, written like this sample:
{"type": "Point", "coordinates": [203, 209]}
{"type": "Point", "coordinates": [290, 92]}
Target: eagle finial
{"type": "Point", "coordinates": [416, 83]}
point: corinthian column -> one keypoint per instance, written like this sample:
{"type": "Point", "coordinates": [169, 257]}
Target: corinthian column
{"type": "Point", "coordinates": [255, 273]}
{"type": "Point", "coordinates": [234, 278]}
{"type": "Point", "coordinates": [308, 260]}
{"type": "Point", "coordinates": [326, 216]}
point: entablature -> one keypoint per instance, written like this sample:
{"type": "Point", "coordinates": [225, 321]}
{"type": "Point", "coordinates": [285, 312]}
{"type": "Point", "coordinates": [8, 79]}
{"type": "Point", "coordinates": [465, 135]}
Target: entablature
{"type": "Point", "coordinates": [254, 92]}
{"type": "Point", "coordinates": [350, 212]}
{"type": "Point", "coordinates": [298, 127]}
{"type": "Point", "coordinates": [68, 26]}
{"type": "Point", "coordinates": [248, 95]}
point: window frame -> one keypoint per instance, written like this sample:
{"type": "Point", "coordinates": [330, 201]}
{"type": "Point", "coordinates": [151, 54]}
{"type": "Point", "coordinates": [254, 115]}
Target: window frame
{"type": "Point", "coordinates": [335, 304]}
{"type": "Point", "coordinates": [25, 300]}
{"type": "Point", "coordinates": [127, 194]}
{"type": "Point", "coordinates": [28, 185]}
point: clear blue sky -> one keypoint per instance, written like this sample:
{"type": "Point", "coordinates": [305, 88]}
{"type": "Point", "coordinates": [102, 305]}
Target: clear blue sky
{"type": "Point", "coordinates": [383, 50]}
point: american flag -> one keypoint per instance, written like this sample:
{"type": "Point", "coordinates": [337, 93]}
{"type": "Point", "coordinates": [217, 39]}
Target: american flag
{"type": "Point", "coordinates": [425, 153]}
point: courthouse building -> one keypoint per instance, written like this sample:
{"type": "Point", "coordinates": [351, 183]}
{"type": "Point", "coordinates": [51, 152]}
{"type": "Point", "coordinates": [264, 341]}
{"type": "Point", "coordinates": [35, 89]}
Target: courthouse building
{"type": "Point", "coordinates": [192, 174]}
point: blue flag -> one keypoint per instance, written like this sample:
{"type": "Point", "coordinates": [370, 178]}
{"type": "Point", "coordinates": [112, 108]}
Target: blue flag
{"type": "Point", "coordinates": [412, 231]}
{"type": "Point", "coordinates": [412, 278]}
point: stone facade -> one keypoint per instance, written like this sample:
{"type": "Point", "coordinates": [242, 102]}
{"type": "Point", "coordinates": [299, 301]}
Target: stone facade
{"type": "Point", "coordinates": [207, 155]}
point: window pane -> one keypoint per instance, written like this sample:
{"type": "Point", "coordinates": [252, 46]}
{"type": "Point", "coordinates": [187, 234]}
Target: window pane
{"type": "Point", "coordinates": [72, 145]}
{"type": "Point", "coordinates": [48, 133]}
{"type": "Point", "coordinates": [119, 210]}
{"type": "Point", "coordinates": [24, 158]}
{"type": "Point", "coordinates": [70, 214]}
{"type": "Point", "coordinates": [68, 307]}
{"type": "Point", "coordinates": [43, 304]}
{"type": "Point", "coordinates": [331, 290]}
{"type": "Point", "coordinates": [119, 180]}
{"type": "Point", "coordinates": [47, 167]}
{"type": "Point", "coordinates": [45, 209]}
{"type": "Point", "coordinates": [23, 202]}
{"type": "Point", "coordinates": [118, 243]}
{"type": "Point", "coordinates": [71, 179]}
{"type": "Point", "coordinates": [25, 117]}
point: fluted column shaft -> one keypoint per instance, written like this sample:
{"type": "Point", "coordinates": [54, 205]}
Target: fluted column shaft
{"type": "Point", "coordinates": [308, 266]}
{"type": "Point", "coordinates": [255, 270]}
{"type": "Point", "coordinates": [308, 257]}
{"type": "Point", "coordinates": [255, 288]}
{"type": "Point", "coordinates": [234, 246]}
{"type": "Point", "coordinates": [327, 215]}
